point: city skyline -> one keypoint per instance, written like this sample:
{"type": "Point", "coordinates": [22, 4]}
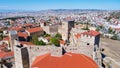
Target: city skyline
{"type": "Point", "coordinates": [59, 34]}
{"type": "Point", "coordinates": [59, 4]}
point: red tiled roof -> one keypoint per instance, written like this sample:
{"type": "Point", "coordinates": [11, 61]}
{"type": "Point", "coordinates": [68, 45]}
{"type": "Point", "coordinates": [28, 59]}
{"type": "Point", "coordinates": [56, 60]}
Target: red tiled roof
{"type": "Point", "coordinates": [62, 42]}
{"type": "Point", "coordinates": [91, 32]}
{"type": "Point", "coordinates": [68, 60]}
{"type": "Point", "coordinates": [6, 54]}
{"type": "Point", "coordinates": [27, 43]}
{"type": "Point", "coordinates": [41, 59]}
{"type": "Point", "coordinates": [20, 34]}
{"type": "Point", "coordinates": [16, 28]}
{"type": "Point", "coordinates": [77, 35]}
{"type": "Point", "coordinates": [32, 30]}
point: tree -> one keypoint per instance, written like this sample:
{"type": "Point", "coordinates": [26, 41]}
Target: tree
{"type": "Point", "coordinates": [1, 31]}
{"type": "Point", "coordinates": [47, 35]}
{"type": "Point", "coordinates": [41, 42]}
{"type": "Point", "coordinates": [97, 29]}
{"type": "Point", "coordinates": [55, 41]}
{"type": "Point", "coordinates": [101, 27]}
{"type": "Point", "coordinates": [86, 26]}
{"type": "Point", "coordinates": [1, 37]}
{"type": "Point", "coordinates": [110, 30]}
{"type": "Point", "coordinates": [36, 41]}
{"type": "Point", "coordinates": [58, 36]}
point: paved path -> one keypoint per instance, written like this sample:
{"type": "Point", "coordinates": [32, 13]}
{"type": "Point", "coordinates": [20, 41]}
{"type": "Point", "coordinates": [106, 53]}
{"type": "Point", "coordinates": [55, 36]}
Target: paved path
{"type": "Point", "coordinates": [112, 48]}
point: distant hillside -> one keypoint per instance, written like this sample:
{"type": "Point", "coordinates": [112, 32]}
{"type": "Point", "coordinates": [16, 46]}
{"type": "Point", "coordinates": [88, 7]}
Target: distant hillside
{"type": "Point", "coordinates": [51, 10]}
{"type": "Point", "coordinates": [13, 10]}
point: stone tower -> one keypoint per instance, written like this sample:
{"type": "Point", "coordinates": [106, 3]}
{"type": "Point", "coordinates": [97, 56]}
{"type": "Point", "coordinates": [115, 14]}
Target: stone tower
{"type": "Point", "coordinates": [21, 57]}
{"type": "Point", "coordinates": [90, 38]}
{"type": "Point", "coordinates": [13, 37]}
{"type": "Point", "coordinates": [66, 28]}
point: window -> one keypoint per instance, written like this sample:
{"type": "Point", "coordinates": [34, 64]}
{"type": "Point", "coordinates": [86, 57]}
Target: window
{"type": "Point", "coordinates": [88, 43]}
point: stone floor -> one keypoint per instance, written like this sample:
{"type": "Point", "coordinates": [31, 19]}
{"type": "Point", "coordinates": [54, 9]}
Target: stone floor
{"type": "Point", "coordinates": [112, 48]}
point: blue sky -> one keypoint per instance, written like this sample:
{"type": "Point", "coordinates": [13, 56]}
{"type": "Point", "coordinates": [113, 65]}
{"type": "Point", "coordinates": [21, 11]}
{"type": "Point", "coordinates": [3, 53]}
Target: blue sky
{"type": "Point", "coordinates": [60, 4]}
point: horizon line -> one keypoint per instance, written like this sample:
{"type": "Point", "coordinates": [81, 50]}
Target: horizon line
{"type": "Point", "coordinates": [58, 9]}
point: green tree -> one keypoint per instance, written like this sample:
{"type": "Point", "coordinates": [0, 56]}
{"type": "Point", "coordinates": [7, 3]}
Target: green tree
{"type": "Point", "coordinates": [110, 30]}
{"type": "Point", "coordinates": [55, 41]}
{"type": "Point", "coordinates": [101, 27]}
{"type": "Point", "coordinates": [36, 41]}
{"type": "Point", "coordinates": [97, 29]}
{"type": "Point", "coordinates": [47, 35]}
{"type": "Point", "coordinates": [58, 36]}
{"type": "Point", "coordinates": [86, 26]}
{"type": "Point", "coordinates": [1, 37]}
{"type": "Point", "coordinates": [41, 42]}
{"type": "Point", "coordinates": [1, 31]}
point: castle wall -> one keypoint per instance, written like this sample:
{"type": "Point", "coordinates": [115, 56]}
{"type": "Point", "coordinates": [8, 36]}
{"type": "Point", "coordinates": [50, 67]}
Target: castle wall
{"type": "Point", "coordinates": [35, 51]}
{"type": "Point", "coordinates": [87, 39]}
{"type": "Point", "coordinates": [86, 50]}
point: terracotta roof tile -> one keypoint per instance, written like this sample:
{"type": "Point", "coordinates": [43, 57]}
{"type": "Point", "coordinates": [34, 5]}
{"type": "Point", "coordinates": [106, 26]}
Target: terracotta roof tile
{"type": "Point", "coordinates": [20, 34]}
{"type": "Point", "coordinates": [6, 54]}
{"type": "Point", "coordinates": [32, 30]}
{"type": "Point", "coordinates": [27, 43]}
{"type": "Point", "coordinates": [16, 28]}
{"type": "Point", "coordinates": [42, 58]}
{"type": "Point", "coordinates": [91, 32]}
{"type": "Point", "coordinates": [68, 60]}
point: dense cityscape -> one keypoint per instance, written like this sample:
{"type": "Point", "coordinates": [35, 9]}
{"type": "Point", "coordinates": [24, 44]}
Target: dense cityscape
{"type": "Point", "coordinates": [59, 38]}
{"type": "Point", "coordinates": [27, 35]}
